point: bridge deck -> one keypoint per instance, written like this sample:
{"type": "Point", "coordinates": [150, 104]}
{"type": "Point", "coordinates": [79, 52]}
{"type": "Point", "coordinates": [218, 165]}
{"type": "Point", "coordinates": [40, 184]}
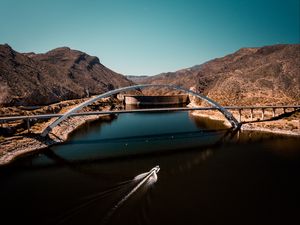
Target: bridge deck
{"type": "Point", "coordinates": [48, 116]}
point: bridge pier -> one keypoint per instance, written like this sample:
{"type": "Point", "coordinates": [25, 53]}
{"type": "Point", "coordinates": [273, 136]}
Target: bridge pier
{"type": "Point", "coordinates": [251, 114]}
{"type": "Point", "coordinates": [28, 125]}
{"type": "Point", "coordinates": [262, 114]}
{"type": "Point", "coordinates": [240, 115]}
{"type": "Point", "coordinates": [274, 113]}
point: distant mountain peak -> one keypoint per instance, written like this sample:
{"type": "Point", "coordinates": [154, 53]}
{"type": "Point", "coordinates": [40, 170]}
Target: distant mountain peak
{"type": "Point", "coordinates": [64, 48]}
{"type": "Point", "coordinates": [6, 49]}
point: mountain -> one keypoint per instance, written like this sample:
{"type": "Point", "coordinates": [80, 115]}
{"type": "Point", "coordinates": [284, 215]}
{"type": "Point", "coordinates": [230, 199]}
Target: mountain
{"type": "Point", "coordinates": [60, 74]}
{"type": "Point", "coordinates": [250, 76]}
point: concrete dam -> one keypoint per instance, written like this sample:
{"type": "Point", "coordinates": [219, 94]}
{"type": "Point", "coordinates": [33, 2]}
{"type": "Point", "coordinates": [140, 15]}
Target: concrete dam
{"type": "Point", "coordinates": [147, 100]}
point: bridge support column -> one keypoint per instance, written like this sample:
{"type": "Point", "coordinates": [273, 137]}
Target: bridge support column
{"type": "Point", "coordinates": [284, 110]}
{"type": "Point", "coordinates": [262, 114]}
{"type": "Point", "coordinates": [273, 110]}
{"type": "Point", "coordinates": [28, 125]}
{"type": "Point", "coordinates": [240, 115]}
{"type": "Point", "coordinates": [251, 114]}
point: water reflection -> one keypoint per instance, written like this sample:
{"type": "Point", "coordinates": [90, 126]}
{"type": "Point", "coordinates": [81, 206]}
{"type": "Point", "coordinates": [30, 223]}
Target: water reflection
{"type": "Point", "coordinates": [202, 122]}
{"type": "Point", "coordinates": [128, 147]}
{"type": "Point", "coordinates": [204, 172]}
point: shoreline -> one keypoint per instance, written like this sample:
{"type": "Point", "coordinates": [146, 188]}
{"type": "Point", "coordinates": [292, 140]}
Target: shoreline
{"type": "Point", "coordinates": [281, 132]}
{"type": "Point", "coordinates": [21, 145]}
{"type": "Point", "coordinates": [24, 144]}
{"type": "Point", "coordinates": [254, 126]}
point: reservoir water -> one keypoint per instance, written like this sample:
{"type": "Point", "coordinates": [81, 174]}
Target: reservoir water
{"type": "Point", "coordinates": [208, 175]}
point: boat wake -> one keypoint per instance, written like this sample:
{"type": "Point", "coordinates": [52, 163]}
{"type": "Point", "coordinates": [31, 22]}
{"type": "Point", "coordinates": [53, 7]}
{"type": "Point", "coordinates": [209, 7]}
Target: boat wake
{"type": "Point", "coordinates": [146, 179]}
{"type": "Point", "coordinates": [140, 183]}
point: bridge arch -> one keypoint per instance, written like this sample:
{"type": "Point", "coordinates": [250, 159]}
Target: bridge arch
{"type": "Point", "coordinates": [234, 123]}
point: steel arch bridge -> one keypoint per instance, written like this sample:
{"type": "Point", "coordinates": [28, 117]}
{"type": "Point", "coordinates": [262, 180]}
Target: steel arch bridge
{"type": "Point", "coordinates": [232, 120]}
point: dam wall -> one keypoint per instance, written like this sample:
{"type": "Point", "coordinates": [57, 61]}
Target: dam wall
{"type": "Point", "coordinates": [156, 100]}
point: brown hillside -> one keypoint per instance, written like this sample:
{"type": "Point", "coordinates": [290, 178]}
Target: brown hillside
{"type": "Point", "coordinates": [60, 74]}
{"type": "Point", "coordinates": [250, 76]}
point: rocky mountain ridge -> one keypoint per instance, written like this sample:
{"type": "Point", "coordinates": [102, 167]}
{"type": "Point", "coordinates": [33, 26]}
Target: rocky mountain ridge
{"type": "Point", "coordinates": [59, 74]}
{"type": "Point", "coordinates": [268, 75]}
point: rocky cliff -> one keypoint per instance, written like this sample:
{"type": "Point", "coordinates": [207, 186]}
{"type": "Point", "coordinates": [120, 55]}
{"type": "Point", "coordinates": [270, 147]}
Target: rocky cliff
{"type": "Point", "coordinates": [250, 76]}
{"type": "Point", "coordinates": [60, 74]}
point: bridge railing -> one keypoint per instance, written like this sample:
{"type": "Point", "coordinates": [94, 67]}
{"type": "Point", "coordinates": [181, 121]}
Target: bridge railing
{"type": "Point", "coordinates": [262, 109]}
{"type": "Point", "coordinates": [49, 116]}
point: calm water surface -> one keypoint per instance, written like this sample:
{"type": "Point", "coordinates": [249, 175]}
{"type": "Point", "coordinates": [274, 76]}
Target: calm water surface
{"type": "Point", "coordinates": [208, 175]}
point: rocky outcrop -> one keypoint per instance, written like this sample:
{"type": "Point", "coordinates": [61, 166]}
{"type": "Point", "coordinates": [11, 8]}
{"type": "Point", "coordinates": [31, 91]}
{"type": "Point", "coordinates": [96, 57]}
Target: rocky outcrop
{"type": "Point", "coordinates": [250, 76]}
{"type": "Point", "coordinates": [60, 74]}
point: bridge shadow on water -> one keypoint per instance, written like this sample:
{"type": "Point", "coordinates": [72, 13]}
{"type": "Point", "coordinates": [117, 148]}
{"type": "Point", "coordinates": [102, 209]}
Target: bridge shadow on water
{"type": "Point", "coordinates": [176, 143]}
{"type": "Point", "coordinates": [177, 152]}
{"type": "Point", "coordinates": [152, 137]}
{"type": "Point", "coordinates": [105, 182]}
{"type": "Point", "coordinates": [119, 192]}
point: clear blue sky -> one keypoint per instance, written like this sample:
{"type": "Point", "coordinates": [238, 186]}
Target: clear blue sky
{"type": "Point", "coordinates": [148, 36]}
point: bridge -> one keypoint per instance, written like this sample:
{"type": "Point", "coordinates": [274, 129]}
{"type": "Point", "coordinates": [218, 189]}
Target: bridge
{"type": "Point", "coordinates": [236, 124]}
